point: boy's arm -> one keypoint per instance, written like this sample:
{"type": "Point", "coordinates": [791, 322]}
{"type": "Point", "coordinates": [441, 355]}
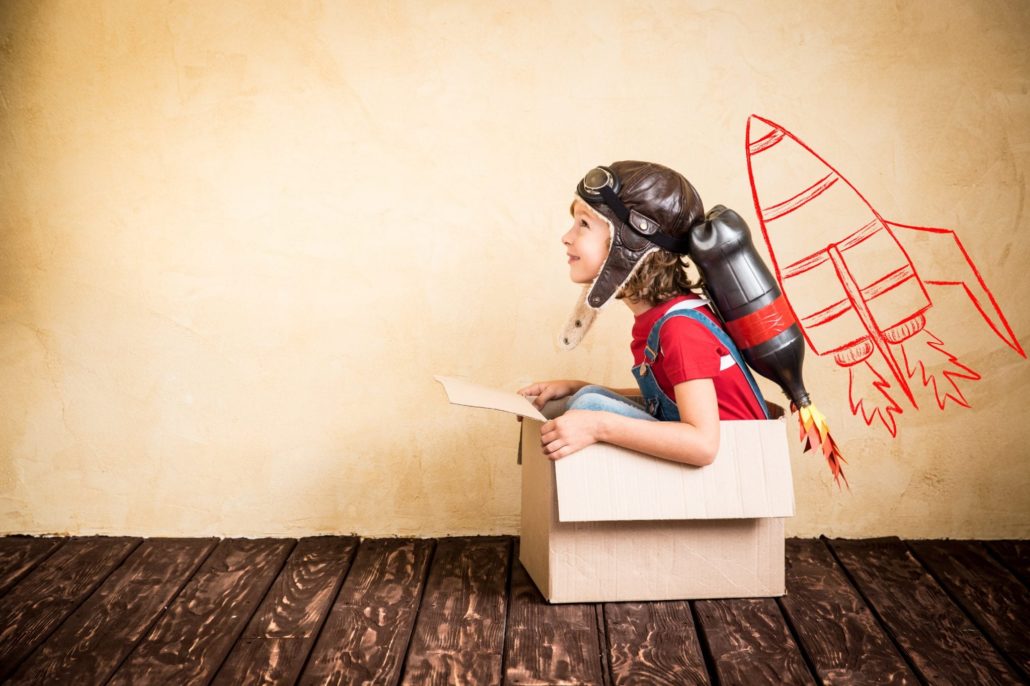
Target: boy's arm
{"type": "Point", "coordinates": [544, 391]}
{"type": "Point", "coordinates": [692, 440]}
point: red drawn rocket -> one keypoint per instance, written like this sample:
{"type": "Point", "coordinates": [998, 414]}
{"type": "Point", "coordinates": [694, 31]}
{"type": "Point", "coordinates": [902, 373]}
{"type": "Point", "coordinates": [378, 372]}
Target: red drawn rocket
{"type": "Point", "coordinates": [855, 281]}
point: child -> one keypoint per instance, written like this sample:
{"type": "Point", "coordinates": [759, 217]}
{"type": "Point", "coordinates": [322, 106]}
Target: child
{"type": "Point", "coordinates": [631, 224]}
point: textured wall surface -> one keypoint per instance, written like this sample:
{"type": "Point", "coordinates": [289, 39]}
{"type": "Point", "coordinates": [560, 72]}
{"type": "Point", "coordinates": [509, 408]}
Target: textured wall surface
{"type": "Point", "coordinates": [238, 239]}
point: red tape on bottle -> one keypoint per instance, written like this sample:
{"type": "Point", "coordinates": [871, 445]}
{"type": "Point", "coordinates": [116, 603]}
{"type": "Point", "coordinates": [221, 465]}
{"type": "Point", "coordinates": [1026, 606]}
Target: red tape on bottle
{"type": "Point", "coordinates": [761, 325]}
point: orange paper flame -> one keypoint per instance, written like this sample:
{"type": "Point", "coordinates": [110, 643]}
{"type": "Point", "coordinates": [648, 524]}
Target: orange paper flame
{"type": "Point", "coordinates": [815, 431]}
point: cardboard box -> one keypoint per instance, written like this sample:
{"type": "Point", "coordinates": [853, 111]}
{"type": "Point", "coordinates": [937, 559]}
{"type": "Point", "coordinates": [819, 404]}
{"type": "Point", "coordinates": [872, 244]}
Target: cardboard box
{"type": "Point", "coordinates": [610, 524]}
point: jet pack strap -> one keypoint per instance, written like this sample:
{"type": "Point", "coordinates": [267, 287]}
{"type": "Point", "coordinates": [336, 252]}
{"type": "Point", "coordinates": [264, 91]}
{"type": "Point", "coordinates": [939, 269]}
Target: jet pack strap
{"type": "Point", "coordinates": [644, 226]}
{"type": "Point", "coordinates": [688, 310]}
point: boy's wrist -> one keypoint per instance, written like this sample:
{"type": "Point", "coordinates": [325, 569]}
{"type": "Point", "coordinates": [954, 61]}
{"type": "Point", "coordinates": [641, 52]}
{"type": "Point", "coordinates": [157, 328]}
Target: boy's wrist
{"type": "Point", "coordinates": [605, 420]}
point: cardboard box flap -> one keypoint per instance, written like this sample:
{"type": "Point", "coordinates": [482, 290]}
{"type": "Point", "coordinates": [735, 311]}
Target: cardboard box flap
{"type": "Point", "coordinates": [463, 392]}
{"type": "Point", "coordinates": [750, 477]}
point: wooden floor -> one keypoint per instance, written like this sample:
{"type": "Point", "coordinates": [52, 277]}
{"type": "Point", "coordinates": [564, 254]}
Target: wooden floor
{"type": "Point", "coordinates": [341, 610]}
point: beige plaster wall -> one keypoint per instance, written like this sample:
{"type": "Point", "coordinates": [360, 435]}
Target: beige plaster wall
{"type": "Point", "coordinates": [238, 239]}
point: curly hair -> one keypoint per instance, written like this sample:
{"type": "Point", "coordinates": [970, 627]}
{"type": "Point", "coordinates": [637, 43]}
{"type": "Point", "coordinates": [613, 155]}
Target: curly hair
{"type": "Point", "coordinates": [660, 276]}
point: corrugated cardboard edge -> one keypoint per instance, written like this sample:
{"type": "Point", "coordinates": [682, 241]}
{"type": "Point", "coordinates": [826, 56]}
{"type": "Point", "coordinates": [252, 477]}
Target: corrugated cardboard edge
{"type": "Point", "coordinates": [539, 507]}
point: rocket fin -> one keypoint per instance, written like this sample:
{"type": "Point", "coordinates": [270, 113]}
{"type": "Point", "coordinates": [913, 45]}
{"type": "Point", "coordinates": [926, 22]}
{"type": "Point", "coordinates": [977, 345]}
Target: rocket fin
{"type": "Point", "coordinates": [940, 259]}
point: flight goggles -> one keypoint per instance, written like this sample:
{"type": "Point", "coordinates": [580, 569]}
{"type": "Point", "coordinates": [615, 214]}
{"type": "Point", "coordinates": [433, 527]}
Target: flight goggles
{"type": "Point", "coordinates": [602, 185]}
{"type": "Point", "coordinates": [598, 179]}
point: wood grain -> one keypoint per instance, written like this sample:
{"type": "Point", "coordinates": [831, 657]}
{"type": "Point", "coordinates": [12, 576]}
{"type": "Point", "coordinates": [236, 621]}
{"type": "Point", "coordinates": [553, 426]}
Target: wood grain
{"type": "Point", "coordinates": [654, 643]}
{"type": "Point", "coordinates": [93, 641]}
{"type": "Point", "coordinates": [278, 639]}
{"type": "Point", "coordinates": [190, 640]}
{"type": "Point", "coordinates": [550, 644]}
{"type": "Point", "coordinates": [459, 635]}
{"type": "Point", "coordinates": [38, 604]}
{"type": "Point", "coordinates": [841, 637]}
{"type": "Point", "coordinates": [423, 611]}
{"type": "Point", "coordinates": [1015, 555]}
{"type": "Point", "coordinates": [997, 601]}
{"type": "Point", "coordinates": [935, 634]}
{"type": "Point", "coordinates": [365, 637]}
{"type": "Point", "coordinates": [19, 554]}
{"type": "Point", "coordinates": [750, 643]}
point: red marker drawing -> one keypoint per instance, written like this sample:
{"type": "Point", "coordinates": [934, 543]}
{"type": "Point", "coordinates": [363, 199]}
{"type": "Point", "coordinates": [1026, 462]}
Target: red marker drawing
{"type": "Point", "coordinates": [856, 283]}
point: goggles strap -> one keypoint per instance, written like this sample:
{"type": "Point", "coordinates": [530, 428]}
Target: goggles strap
{"type": "Point", "coordinates": [615, 203]}
{"type": "Point", "coordinates": [676, 244]}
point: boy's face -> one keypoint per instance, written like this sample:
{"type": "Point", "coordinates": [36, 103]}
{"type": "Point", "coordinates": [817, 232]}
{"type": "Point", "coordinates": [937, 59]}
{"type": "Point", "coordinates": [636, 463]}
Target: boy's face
{"type": "Point", "coordinates": [586, 243]}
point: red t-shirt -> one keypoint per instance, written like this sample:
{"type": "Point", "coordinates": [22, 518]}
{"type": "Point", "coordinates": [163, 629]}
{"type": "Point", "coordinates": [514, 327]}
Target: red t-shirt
{"type": "Point", "coordinates": [690, 351]}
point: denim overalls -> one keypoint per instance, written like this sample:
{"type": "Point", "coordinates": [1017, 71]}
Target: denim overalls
{"type": "Point", "coordinates": [658, 403]}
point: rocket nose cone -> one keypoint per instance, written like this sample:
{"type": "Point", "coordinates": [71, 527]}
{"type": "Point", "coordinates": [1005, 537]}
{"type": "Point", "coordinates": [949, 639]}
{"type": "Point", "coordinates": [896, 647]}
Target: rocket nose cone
{"type": "Point", "coordinates": [758, 128]}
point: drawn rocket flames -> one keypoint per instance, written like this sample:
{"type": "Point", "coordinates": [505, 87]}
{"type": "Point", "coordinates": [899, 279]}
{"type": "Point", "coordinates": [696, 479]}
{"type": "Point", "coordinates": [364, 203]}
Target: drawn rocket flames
{"type": "Point", "coordinates": [857, 283]}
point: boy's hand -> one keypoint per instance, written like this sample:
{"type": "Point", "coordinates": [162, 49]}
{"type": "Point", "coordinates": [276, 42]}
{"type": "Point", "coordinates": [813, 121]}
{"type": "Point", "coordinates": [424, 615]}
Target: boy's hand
{"type": "Point", "coordinates": [574, 430]}
{"type": "Point", "coordinates": [550, 390]}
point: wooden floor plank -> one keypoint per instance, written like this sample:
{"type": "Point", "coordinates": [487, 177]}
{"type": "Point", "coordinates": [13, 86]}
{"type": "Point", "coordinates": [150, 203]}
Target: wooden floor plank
{"type": "Point", "coordinates": [1015, 555]}
{"type": "Point", "coordinates": [654, 643]}
{"type": "Point", "coordinates": [19, 554]}
{"type": "Point", "coordinates": [935, 634]}
{"type": "Point", "coordinates": [279, 638]}
{"type": "Point", "coordinates": [93, 641]}
{"type": "Point", "coordinates": [550, 644]}
{"type": "Point", "coordinates": [38, 604]}
{"type": "Point", "coordinates": [191, 639]}
{"type": "Point", "coordinates": [602, 640]}
{"type": "Point", "coordinates": [841, 637]}
{"type": "Point", "coordinates": [997, 601]}
{"type": "Point", "coordinates": [366, 635]}
{"type": "Point", "coordinates": [750, 643]}
{"type": "Point", "coordinates": [459, 634]}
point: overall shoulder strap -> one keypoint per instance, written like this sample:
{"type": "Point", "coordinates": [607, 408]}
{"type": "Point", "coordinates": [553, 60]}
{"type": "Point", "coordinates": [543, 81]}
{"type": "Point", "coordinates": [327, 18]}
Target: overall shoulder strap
{"type": "Point", "coordinates": [685, 308]}
{"type": "Point", "coordinates": [688, 309]}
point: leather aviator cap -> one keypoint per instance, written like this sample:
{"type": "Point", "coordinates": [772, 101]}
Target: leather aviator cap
{"type": "Point", "coordinates": [657, 204]}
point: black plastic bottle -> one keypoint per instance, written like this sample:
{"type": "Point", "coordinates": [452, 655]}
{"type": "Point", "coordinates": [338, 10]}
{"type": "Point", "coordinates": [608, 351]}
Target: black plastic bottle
{"type": "Point", "coordinates": [748, 300]}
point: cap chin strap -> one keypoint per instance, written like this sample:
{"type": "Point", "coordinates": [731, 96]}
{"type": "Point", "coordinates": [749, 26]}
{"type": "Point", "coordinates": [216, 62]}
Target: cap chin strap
{"type": "Point", "coordinates": [579, 322]}
{"type": "Point", "coordinates": [644, 226]}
